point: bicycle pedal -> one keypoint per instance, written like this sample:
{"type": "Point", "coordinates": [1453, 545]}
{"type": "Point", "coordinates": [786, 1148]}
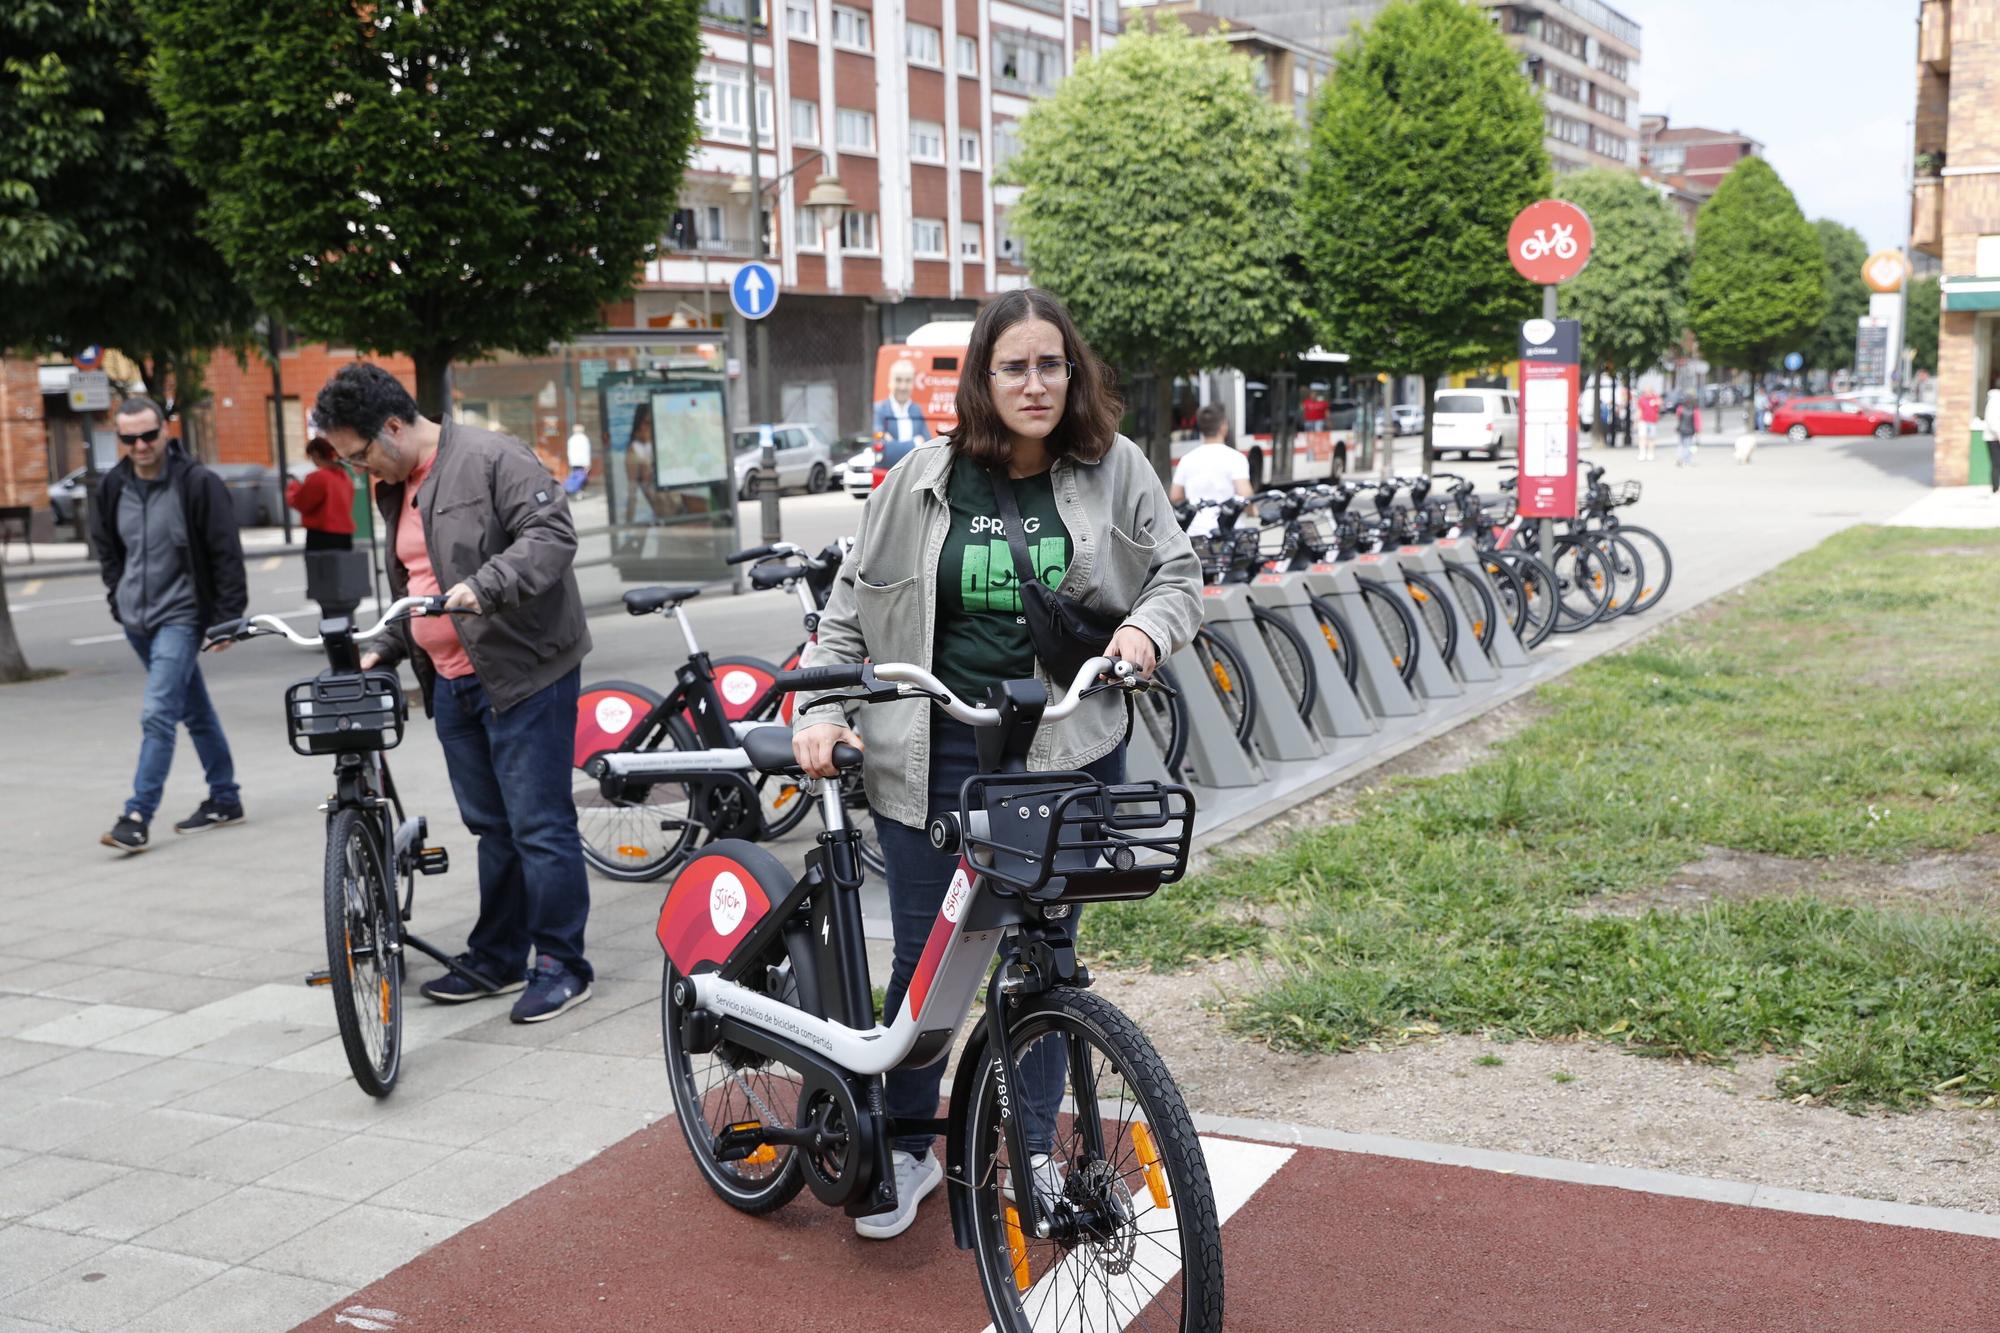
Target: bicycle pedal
{"type": "Point", "coordinates": [743, 1141]}
{"type": "Point", "coordinates": [319, 978]}
{"type": "Point", "coordinates": [433, 860]}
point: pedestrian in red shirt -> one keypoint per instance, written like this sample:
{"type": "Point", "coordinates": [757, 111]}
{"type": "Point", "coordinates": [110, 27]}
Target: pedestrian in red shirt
{"type": "Point", "coordinates": [325, 501]}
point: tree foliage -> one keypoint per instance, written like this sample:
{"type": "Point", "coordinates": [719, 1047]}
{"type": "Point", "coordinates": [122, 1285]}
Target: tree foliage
{"type": "Point", "coordinates": [1923, 308]}
{"type": "Point", "coordinates": [1157, 202]}
{"type": "Point", "coordinates": [97, 224]}
{"type": "Point", "coordinates": [1758, 283]}
{"type": "Point", "coordinates": [1631, 299]}
{"type": "Point", "coordinates": [1832, 344]}
{"type": "Point", "coordinates": [442, 180]}
{"type": "Point", "coordinates": [1425, 144]}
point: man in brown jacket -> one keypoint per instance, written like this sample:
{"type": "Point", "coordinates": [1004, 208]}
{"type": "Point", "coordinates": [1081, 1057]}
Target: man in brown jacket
{"type": "Point", "coordinates": [472, 515]}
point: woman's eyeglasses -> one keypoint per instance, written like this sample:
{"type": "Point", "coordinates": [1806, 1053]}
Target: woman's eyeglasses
{"type": "Point", "coordinates": [1014, 374]}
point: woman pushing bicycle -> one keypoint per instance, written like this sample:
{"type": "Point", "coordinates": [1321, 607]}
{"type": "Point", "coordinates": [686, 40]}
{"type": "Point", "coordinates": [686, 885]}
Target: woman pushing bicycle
{"type": "Point", "coordinates": [1035, 486]}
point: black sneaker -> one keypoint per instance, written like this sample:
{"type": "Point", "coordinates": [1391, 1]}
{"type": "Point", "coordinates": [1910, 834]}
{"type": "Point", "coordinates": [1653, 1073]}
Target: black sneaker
{"type": "Point", "coordinates": [208, 815]}
{"type": "Point", "coordinates": [551, 989]}
{"type": "Point", "coordinates": [451, 988]}
{"type": "Point", "coordinates": [128, 835]}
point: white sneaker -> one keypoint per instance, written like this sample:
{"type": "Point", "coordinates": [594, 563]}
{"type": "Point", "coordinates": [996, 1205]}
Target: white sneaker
{"type": "Point", "coordinates": [914, 1179]}
{"type": "Point", "coordinates": [1046, 1172]}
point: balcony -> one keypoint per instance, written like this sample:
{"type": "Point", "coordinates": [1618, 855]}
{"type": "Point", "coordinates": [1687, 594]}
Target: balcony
{"type": "Point", "coordinates": [1927, 215]}
{"type": "Point", "coordinates": [1934, 35]}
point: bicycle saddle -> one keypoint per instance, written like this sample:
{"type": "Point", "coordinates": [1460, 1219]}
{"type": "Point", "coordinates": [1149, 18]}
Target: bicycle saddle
{"type": "Point", "coordinates": [769, 750]}
{"type": "Point", "coordinates": [645, 601]}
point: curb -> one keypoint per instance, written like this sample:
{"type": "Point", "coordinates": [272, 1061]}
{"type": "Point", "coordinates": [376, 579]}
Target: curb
{"type": "Point", "coordinates": [1742, 1194]}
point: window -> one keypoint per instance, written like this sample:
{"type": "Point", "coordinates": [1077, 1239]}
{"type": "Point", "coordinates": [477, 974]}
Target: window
{"type": "Point", "coordinates": [850, 29]}
{"type": "Point", "coordinates": [799, 19]}
{"type": "Point", "coordinates": [805, 121]}
{"type": "Point", "coordinates": [731, 12]}
{"type": "Point", "coordinates": [1006, 142]}
{"type": "Point", "coordinates": [1027, 64]}
{"type": "Point", "coordinates": [720, 106]}
{"type": "Point", "coordinates": [923, 45]}
{"type": "Point", "coordinates": [1608, 144]}
{"type": "Point", "coordinates": [714, 233]}
{"type": "Point", "coordinates": [1565, 85]}
{"type": "Point", "coordinates": [857, 234]}
{"type": "Point", "coordinates": [926, 141]}
{"type": "Point", "coordinates": [927, 238]}
{"type": "Point", "coordinates": [1301, 92]}
{"type": "Point", "coordinates": [968, 149]}
{"type": "Point", "coordinates": [968, 240]}
{"type": "Point", "coordinates": [1613, 64]}
{"type": "Point", "coordinates": [806, 229]}
{"type": "Point", "coordinates": [854, 131]}
{"type": "Point", "coordinates": [1610, 103]}
{"type": "Point", "coordinates": [1005, 244]}
{"type": "Point", "coordinates": [968, 56]}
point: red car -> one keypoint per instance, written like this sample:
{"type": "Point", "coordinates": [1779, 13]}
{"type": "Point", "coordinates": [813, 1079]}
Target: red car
{"type": "Point", "coordinates": [1804, 417]}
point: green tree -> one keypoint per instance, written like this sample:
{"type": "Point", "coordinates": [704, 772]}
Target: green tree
{"type": "Point", "coordinates": [1832, 343]}
{"type": "Point", "coordinates": [97, 224]}
{"type": "Point", "coordinates": [1758, 283]}
{"type": "Point", "coordinates": [1425, 144]}
{"type": "Point", "coordinates": [442, 180]}
{"type": "Point", "coordinates": [1631, 299]}
{"type": "Point", "coordinates": [1923, 308]}
{"type": "Point", "coordinates": [1157, 202]}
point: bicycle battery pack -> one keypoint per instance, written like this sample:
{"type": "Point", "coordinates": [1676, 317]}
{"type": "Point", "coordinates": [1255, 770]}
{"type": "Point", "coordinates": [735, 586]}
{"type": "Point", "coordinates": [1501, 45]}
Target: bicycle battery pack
{"type": "Point", "coordinates": [717, 904]}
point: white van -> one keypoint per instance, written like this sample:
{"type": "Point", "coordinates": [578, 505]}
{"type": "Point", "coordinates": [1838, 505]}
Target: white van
{"type": "Point", "coordinates": [1485, 421]}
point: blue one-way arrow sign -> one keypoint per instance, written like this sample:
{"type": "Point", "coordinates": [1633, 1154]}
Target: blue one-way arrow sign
{"type": "Point", "coordinates": [754, 290]}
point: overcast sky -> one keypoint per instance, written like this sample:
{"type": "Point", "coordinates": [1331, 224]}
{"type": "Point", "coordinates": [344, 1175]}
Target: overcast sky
{"type": "Point", "coordinates": [1827, 86]}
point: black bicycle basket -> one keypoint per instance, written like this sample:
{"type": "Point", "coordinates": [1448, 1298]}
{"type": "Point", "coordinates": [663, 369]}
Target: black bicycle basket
{"type": "Point", "coordinates": [1065, 837]}
{"type": "Point", "coordinates": [334, 713]}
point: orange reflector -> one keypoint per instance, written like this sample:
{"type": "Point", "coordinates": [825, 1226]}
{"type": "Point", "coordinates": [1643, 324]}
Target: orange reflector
{"type": "Point", "coordinates": [1479, 629]}
{"type": "Point", "coordinates": [1221, 674]}
{"type": "Point", "coordinates": [1149, 1158]}
{"type": "Point", "coordinates": [1332, 641]}
{"type": "Point", "coordinates": [634, 852]}
{"type": "Point", "coordinates": [1017, 1248]}
{"type": "Point", "coordinates": [784, 798]}
{"type": "Point", "coordinates": [385, 1002]}
{"type": "Point", "coordinates": [764, 1156]}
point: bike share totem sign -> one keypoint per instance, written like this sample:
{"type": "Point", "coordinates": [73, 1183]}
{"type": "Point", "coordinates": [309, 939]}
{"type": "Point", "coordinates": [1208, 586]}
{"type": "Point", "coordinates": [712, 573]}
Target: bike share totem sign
{"type": "Point", "coordinates": [1549, 243]}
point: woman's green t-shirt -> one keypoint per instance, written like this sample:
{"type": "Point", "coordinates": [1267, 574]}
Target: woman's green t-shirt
{"type": "Point", "coordinates": [980, 636]}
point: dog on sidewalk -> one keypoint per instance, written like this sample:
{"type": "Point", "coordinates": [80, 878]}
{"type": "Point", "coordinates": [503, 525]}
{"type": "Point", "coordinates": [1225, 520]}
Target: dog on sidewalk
{"type": "Point", "coordinates": [1746, 446]}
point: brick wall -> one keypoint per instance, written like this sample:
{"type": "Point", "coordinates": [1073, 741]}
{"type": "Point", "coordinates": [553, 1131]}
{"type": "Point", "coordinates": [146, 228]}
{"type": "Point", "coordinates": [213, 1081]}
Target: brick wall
{"type": "Point", "coordinates": [1971, 209]}
{"type": "Point", "coordinates": [240, 397]}
{"type": "Point", "coordinates": [24, 452]}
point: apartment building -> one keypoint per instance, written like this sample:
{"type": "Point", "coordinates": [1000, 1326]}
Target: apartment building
{"type": "Point", "coordinates": [1695, 157]}
{"type": "Point", "coordinates": [1582, 54]}
{"type": "Point", "coordinates": [911, 106]}
{"type": "Point", "coordinates": [1288, 71]}
{"type": "Point", "coordinates": [1955, 219]}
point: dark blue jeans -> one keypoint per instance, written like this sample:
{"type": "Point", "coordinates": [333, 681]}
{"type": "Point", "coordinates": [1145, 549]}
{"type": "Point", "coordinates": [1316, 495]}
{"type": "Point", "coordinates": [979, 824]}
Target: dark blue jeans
{"type": "Point", "coordinates": [918, 876]}
{"type": "Point", "coordinates": [511, 774]}
{"type": "Point", "coordinates": [175, 694]}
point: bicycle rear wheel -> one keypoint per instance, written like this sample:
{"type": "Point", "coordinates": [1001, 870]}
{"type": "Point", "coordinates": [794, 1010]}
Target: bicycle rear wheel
{"type": "Point", "coordinates": [1659, 565]}
{"type": "Point", "coordinates": [648, 828]}
{"type": "Point", "coordinates": [1628, 573]}
{"type": "Point", "coordinates": [1583, 584]}
{"type": "Point", "coordinates": [1476, 600]}
{"type": "Point", "coordinates": [1230, 679]}
{"type": "Point", "coordinates": [1134, 1234]}
{"type": "Point", "coordinates": [364, 951]}
{"type": "Point", "coordinates": [1288, 649]}
{"type": "Point", "coordinates": [1397, 625]}
{"type": "Point", "coordinates": [1438, 619]}
{"type": "Point", "coordinates": [1538, 594]}
{"type": "Point", "coordinates": [1339, 638]}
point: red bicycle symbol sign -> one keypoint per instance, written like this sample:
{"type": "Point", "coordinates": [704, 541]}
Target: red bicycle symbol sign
{"type": "Point", "coordinates": [1549, 241]}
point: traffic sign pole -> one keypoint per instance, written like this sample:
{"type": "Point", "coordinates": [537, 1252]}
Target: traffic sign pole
{"type": "Point", "coordinates": [1548, 243]}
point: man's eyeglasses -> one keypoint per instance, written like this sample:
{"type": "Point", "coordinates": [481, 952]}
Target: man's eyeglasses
{"type": "Point", "coordinates": [1014, 374]}
{"type": "Point", "coordinates": [143, 437]}
{"type": "Point", "coordinates": [359, 456]}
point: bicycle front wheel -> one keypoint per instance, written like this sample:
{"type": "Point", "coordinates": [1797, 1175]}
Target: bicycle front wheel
{"type": "Point", "coordinates": [1397, 625]}
{"type": "Point", "coordinates": [364, 951]}
{"type": "Point", "coordinates": [1437, 617]}
{"type": "Point", "coordinates": [1657, 561]}
{"type": "Point", "coordinates": [1165, 718]}
{"type": "Point", "coordinates": [1229, 678]}
{"type": "Point", "coordinates": [1339, 638]}
{"type": "Point", "coordinates": [1288, 650]}
{"type": "Point", "coordinates": [1134, 1238]}
{"type": "Point", "coordinates": [1477, 601]}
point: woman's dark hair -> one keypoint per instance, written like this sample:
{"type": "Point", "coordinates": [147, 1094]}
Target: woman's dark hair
{"type": "Point", "coordinates": [319, 450]}
{"type": "Point", "coordinates": [361, 398]}
{"type": "Point", "coordinates": [1091, 408]}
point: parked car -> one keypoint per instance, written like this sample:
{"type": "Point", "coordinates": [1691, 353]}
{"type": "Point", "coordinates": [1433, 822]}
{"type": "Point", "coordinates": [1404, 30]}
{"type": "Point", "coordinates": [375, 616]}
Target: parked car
{"type": "Point", "coordinates": [66, 495]}
{"type": "Point", "coordinates": [1406, 419]}
{"type": "Point", "coordinates": [857, 474]}
{"type": "Point", "coordinates": [1486, 421]}
{"type": "Point", "coordinates": [804, 459]}
{"type": "Point", "coordinates": [1884, 400]}
{"type": "Point", "coordinates": [1802, 418]}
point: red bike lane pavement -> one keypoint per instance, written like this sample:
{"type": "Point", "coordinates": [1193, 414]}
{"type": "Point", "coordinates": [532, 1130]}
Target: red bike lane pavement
{"type": "Point", "coordinates": [1333, 1240]}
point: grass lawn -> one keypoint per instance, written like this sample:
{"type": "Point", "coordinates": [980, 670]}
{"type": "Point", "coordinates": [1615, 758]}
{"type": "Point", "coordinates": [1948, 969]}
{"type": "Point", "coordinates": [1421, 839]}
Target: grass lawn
{"type": "Point", "coordinates": [1845, 705]}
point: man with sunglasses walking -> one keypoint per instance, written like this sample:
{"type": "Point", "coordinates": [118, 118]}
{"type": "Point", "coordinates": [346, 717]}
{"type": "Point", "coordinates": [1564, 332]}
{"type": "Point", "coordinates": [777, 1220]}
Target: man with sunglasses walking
{"type": "Point", "coordinates": [164, 533]}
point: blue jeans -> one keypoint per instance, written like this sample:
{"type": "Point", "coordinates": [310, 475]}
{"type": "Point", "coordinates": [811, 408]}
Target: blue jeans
{"type": "Point", "coordinates": [918, 875]}
{"type": "Point", "coordinates": [511, 774]}
{"type": "Point", "coordinates": [175, 694]}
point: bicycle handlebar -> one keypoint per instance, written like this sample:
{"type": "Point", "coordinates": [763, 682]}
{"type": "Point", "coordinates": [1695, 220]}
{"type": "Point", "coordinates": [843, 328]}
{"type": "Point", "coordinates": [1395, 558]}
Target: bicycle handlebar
{"type": "Point", "coordinates": [868, 675]}
{"type": "Point", "coordinates": [250, 627]}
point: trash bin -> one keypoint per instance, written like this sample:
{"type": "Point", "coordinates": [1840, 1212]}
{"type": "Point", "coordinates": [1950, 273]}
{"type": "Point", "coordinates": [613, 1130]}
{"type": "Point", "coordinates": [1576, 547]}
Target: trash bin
{"type": "Point", "coordinates": [253, 492]}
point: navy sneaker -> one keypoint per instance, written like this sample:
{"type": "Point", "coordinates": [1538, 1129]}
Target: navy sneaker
{"type": "Point", "coordinates": [552, 988]}
{"type": "Point", "coordinates": [130, 834]}
{"type": "Point", "coordinates": [210, 814]}
{"type": "Point", "coordinates": [451, 988]}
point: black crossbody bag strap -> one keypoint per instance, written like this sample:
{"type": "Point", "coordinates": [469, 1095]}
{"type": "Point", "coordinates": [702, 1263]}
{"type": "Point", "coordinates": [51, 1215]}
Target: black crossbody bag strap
{"type": "Point", "coordinates": [1010, 514]}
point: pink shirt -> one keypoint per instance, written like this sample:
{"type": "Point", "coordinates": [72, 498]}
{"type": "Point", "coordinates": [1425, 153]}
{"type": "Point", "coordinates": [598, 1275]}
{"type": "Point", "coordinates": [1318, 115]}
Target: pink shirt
{"type": "Point", "coordinates": [436, 635]}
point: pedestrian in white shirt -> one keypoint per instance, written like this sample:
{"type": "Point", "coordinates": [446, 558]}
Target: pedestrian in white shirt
{"type": "Point", "coordinates": [1212, 471]}
{"type": "Point", "coordinates": [579, 460]}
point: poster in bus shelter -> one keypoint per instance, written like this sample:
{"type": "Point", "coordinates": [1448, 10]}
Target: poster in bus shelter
{"type": "Point", "coordinates": [668, 483]}
{"type": "Point", "coordinates": [1550, 375]}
